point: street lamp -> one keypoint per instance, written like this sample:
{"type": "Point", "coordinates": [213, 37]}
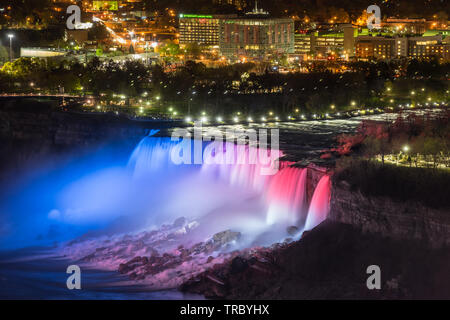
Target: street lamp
{"type": "Point", "coordinates": [10, 36]}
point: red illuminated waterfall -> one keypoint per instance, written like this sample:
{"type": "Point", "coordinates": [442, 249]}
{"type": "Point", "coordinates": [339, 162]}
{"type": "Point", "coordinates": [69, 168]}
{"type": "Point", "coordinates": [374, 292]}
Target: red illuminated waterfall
{"type": "Point", "coordinates": [284, 191]}
{"type": "Point", "coordinates": [320, 203]}
{"type": "Point", "coordinates": [286, 196]}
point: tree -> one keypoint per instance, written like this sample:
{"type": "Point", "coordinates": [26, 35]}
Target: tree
{"type": "Point", "coordinates": [3, 54]}
{"type": "Point", "coordinates": [193, 50]}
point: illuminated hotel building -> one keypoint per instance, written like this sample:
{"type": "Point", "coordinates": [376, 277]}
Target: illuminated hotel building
{"type": "Point", "coordinates": [256, 36]}
{"type": "Point", "coordinates": [200, 29]}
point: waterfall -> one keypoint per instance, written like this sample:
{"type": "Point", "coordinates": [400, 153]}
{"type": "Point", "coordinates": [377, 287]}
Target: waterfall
{"type": "Point", "coordinates": [320, 203]}
{"type": "Point", "coordinates": [150, 155]}
{"type": "Point", "coordinates": [286, 196]}
{"type": "Point", "coordinates": [284, 192]}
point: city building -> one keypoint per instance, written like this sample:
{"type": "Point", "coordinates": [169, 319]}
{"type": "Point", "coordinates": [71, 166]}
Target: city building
{"type": "Point", "coordinates": [302, 43]}
{"type": "Point", "coordinates": [368, 47]}
{"type": "Point", "coordinates": [256, 36]}
{"type": "Point", "coordinates": [324, 44]}
{"type": "Point", "coordinates": [321, 43]}
{"type": "Point", "coordinates": [422, 47]}
{"type": "Point", "coordinates": [105, 5]}
{"type": "Point", "coordinates": [428, 47]}
{"type": "Point", "coordinates": [200, 29]}
{"type": "Point", "coordinates": [408, 26]}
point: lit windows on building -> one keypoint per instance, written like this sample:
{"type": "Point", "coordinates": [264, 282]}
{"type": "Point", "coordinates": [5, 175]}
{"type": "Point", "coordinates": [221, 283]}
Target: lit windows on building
{"type": "Point", "coordinates": [200, 29]}
{"type": "Point", "coordinates": [256, 37]}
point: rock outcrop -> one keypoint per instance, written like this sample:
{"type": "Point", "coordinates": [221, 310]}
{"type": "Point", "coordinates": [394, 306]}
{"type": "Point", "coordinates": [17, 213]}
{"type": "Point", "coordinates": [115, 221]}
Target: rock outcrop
{"type": "Point", "coordinates": [382, 215]}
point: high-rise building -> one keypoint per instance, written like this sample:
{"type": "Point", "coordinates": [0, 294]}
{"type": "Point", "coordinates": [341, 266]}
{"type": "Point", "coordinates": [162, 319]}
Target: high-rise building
{"type": "Point", "coordinates": [200, 29]}
{"type": "Point", "coordinates": [256, 35]}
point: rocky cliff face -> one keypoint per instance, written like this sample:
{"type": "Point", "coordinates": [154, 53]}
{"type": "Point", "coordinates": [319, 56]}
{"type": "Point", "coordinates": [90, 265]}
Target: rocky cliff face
{"type": "Point", "coordinates": [50, 127]}
{"type": "Point", "coordinates": [31, 131]}
{"type": "Point", "coordinates": [382, 215]}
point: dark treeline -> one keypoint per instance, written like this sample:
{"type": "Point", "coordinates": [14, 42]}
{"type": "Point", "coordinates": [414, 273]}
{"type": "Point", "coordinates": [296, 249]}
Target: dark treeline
{"type": "Point", "coordinates": [241, 87]}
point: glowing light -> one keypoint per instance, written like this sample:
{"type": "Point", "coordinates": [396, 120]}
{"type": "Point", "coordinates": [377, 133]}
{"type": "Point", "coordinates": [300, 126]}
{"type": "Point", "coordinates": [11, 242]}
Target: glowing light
{"type": "Point", "coordinates": [405, 148]}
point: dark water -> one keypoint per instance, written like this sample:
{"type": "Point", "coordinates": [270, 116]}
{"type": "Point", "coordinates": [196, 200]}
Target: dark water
{"type": "Point", "coordinates": [32, 274]}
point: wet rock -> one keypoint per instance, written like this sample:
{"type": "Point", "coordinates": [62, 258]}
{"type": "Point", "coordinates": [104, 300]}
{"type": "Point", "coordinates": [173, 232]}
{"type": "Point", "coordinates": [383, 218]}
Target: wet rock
{"type": "Point", "coordinates": [123, 268]}
{"type": "Point", "coordinates": [225, 237]}
{"type": "Point", "coordinates": [288, 240]}
{"type": "Point", "coordinates": [292, 230]}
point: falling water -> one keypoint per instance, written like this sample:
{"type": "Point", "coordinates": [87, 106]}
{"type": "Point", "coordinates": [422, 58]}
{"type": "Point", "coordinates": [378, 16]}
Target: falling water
{"type": "Point", "coordinates": [286, 196]}
{"type": "Point", "coordinates": [320, 204]}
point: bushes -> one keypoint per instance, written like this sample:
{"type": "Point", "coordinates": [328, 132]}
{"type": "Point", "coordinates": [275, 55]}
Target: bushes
{"type": "Point", "coordinates": [428, 186]}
